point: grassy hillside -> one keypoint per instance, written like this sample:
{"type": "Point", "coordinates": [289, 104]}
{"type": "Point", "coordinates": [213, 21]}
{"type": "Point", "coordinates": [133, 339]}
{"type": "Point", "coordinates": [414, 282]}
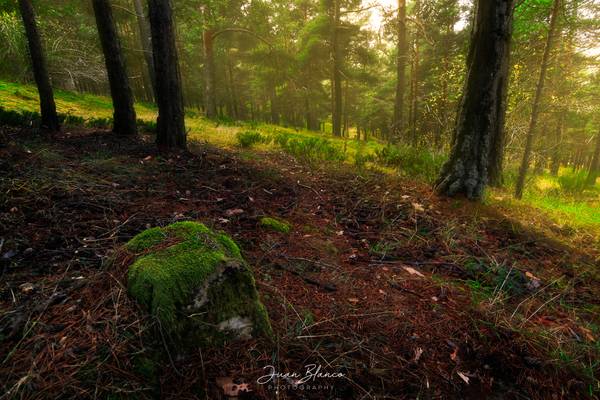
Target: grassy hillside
{"type": "Point", "coordinates": [559, 199]}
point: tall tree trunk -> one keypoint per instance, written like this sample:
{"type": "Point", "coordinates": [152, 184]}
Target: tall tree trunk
{"type": "Point", "coordinates": [209, 73]}
{"type": "Point", "coordinates": [120, 91]}
{"type": "Point", "coordinates": [555, 163]}
{"type": "Point", "coordinates": [536, 102]}
{"type": "Point", "coordinates": [414, 82]}
{"type": "Point", "coordinates": [398, 122]}
{"type": "Point", "coordinates": [146, 41]}
{"type": "Point", "coordinates": [595, 164]}
{"type": "Point", "coordinates": [336, 112]}
{"type": "Point", "coordinates": [273, 104]}
{"type": "Point", "coordinates": [480, 119]}
{"type": "Point", "coordinates": [170, 124]}
{"type": "Point", "coordinates": [40, 67]}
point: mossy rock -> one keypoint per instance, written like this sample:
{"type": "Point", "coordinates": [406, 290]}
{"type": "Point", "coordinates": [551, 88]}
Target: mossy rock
{"type": "Point", "coordinates": [276, 225]}
{"type": "Point", "coordinates": [197, 284]}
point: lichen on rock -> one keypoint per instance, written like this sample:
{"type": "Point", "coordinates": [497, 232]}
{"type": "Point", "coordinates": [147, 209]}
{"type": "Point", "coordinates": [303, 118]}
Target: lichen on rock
{"type": "Point", "coordinates": [196, 283]}
{"type": "Point", "coordinates": [275, 224]}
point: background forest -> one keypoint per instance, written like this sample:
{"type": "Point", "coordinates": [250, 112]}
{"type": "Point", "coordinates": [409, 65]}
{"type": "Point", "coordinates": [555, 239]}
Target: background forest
{"type": "Point", "coordinates": [404, 192]}
{"type": "Point", "coordinates": [332, 66]}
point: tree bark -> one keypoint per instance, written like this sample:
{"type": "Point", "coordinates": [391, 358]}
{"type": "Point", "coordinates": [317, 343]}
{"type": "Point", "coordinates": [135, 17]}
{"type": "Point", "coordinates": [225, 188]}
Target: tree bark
{"type": "Point", "coordinates": [40, 67]}
{"type": "Point", "coordinates": [414, 82]}
{"type": "Point", "coordinates": [170, 124]}
{"type": "Point", "coordinates": [336, 113]}
{"type": "Point", "coordinates": [398, 122]}
{"type": "Point", "coordinates": [273, 104]}
{"type": "Point", "coordinates": [595, 164]}
{"type": "Point", "coordinates": [124, 119]}
{"type": "Point", "coordinates": [146, 41]}
{"type": "Point", "coordinates": [536, 102]}
{"type": "Point", "coordinates": [480, 120]}
{"type": "Point", "coordinates": [209, 73]}
{"type": "Point", "coordinates": [555, 163]}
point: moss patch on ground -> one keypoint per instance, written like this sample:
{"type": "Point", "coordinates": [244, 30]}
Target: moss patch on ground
{"type": "Point", "coordinates": [196, 283]}
{"type": "Point", "coordinates": [276, 225]}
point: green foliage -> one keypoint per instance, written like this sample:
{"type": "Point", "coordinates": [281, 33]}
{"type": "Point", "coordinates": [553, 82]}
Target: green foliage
{"type": "Point", "coordinates": [573, 182]}
{"type": "Point", "coordinates": [411, 161]}
{"type": "Point", "coordinates": [275, 224]}
{"type": "Point", "coordinates": [310, 149]}
{"type": "Point", "coordinates": [18, 118]}
{"type": "Point", "coordinates": [247, 139]}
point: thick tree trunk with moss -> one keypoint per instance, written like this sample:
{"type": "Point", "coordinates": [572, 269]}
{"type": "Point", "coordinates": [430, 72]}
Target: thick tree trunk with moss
{"type": "Point", "coordinates": [479, 128]}
{"type": "Point", "coordinates": [595, 164]}
{"type": "Point", "coordinates": [536, 102]}
{"type": "Point", "coordinates": [170, 129]}
{"type": "Point", "coordinates": [401, 48]}
{"type": "Point", "coordinates": [146, 41]}
{"type": "Point", "coordinates": [40, 67]}
{"type": "Point", "coordinates": [120, 91]}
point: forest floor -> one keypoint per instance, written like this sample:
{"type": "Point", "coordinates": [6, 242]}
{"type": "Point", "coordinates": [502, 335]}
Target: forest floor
{"type": "Point", "coordinates": [407, 294]}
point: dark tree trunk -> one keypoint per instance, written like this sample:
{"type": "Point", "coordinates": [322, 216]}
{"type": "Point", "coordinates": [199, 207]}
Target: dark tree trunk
{"type": "Point", "coordinates": [170, 124]}
{"type": "Point", "coordinates": [536, 102]}
{"type": "Point", "coordinates": [209, 74]}
{"type": "Point", "coordinates": [40, 67]}
{"type": "Point", "coordinates": [146, 41]}
{"type": "Point", "coordinates": [336, 112]}
{"type": "Point", "coordinates": [120, 91]}
{"type": "Point", "coordinates": [273, 104]}
{"type": "Point", "coordinates": [480, 120]}
{"type": "Point", "coordinates": [398, 122]}
{"type": "Point", "coordinates": [595, 164]}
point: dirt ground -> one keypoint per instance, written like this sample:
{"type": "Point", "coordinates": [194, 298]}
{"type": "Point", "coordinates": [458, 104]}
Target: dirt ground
{"type": "Point", "coordinates": [401, 293]}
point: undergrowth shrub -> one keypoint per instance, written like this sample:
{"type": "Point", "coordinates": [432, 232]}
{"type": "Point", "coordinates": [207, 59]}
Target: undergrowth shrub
{"type": "Point", "coordinates": [310, 149]}
{"type": "Point", "coordinates": [573, 182]}
{"type": "Point", "coordinates": [146, 126]}
{"type": "Point", "coordinates": [247, 139]}
{"type": "Point", "coordinates": [71, 120]}
{"type": "Point", "coordinates": [101, 123]}
{"type": "Point", "coordinates": [18, 118]}
{"type": "Point", "coordinates": [411, 161]}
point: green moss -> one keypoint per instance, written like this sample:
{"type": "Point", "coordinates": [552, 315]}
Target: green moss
{"type": "Point", "coordinates": [193, 279]}
{"type": "Point", "coordinates": [276, 225]}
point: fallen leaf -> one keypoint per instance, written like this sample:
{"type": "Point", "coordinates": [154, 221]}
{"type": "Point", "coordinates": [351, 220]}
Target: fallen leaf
{"type": "Point", "coordinates": [531, 276]}
{"type": "Point", "coordinates": [413, 271]}
{"type": "Point", "coordinates": [463, 377]}
{"type": "Point", "coordinates": [230, 388]}
{"type": "Point", "coordinates": [418, 207]}
{"type": "Point", "coordinates": [233, 212]}
{"type": "Point", "coordinates": [418, 354]}
{"type": "Point", "coordinates": [454, 354]}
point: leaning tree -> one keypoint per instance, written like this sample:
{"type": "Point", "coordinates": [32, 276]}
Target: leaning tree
{"type": "Point", "coordinates": [40, 67]}
{"type": "Point", "coordinates": [120, 91]}
{"type": "Point", "coordinates": [170, 127]}
{"type": "Point", "coordinates": [476, 156]}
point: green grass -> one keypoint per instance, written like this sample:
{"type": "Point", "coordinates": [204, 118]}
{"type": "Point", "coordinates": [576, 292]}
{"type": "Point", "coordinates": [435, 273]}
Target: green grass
{"type": "Point", "coordinates": [563, 199]}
